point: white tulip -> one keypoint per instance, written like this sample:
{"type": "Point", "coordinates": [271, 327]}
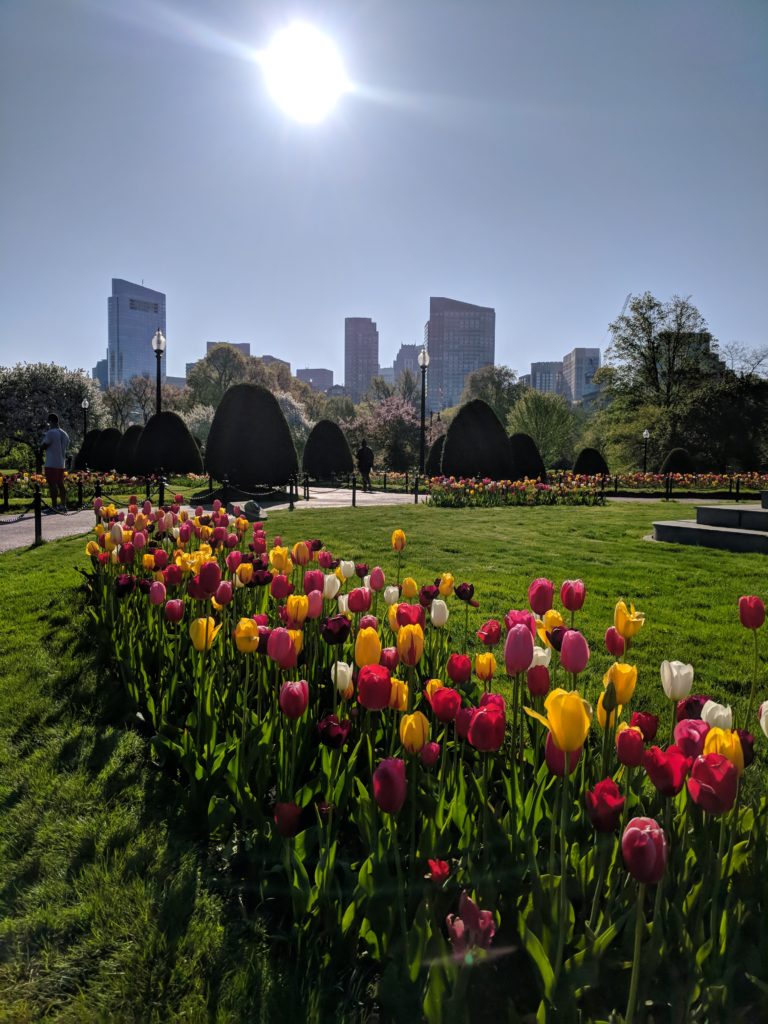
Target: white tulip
{"type": "Point", "coordinates": [116, 533]}
{"type": "Point", "coordinates": [541, 656]}
{"type": "Point", "coordinates": [392, 595]}
{"type": "Point", "coordinates": [763, 716]}
{"type": "Point", "coordinates": [113, 558]}
{"type": "Point", "coordinates": [677, 679]}
{"type": "Point", "coordinates": [331, 585]}
{"type": "Point", "coordinates": [343, 602]}
{"type": "Point", "coordinates": [341, 674]}
{"type": "Point", "coordinates": [347, 569]}
{"type": "Point", "coordinates": [717, 716]}
{"type": "Point", "coordinates": [367, 582]}
{"type": "Point", "coordinates": [175, 533]}
{"type": "Point", "coordinates": [438, 612]}
{"type": "Point", "coordinates": [168, 522]}
{"type": "Point", "coordinates": [237, 582]}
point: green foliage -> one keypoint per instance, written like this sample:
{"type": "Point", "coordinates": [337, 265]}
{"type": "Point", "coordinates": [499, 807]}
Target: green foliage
{"type": "Point", "coordinates": [677, 461]}
{"type": "Point", "coordinates": [166, 444]}
{"type": "Point", "coordinates": [433, 464]}
{"type": "Point", "coordinates": [104, 457]}
{"type": "Point", "coordinates": [125, 457]}
{"type": "Point", "coordinates": [497, 386]}
{"type": "Point", "coordinates": [477, 445]}
{"type": "Point", "coordinates": [249, 441]}
{"type": "Point", "coordinates": [589, 462]}
{"type": "Point", "coordinates": [327, 452]}
{"type": "Point", "coordinates": [527, 460]}
{"type": "Point", "coordinates": [549, 421]}
{"type": "Point", "coordinates": [84, 458]}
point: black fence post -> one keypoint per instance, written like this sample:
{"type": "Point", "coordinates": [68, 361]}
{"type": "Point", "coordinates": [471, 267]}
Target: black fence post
{"type": "Point", "coordinates": [225, 492]}
{"type": "Point", "coordinates": [80, 493]}
{"type": "Point", "coordinates": [354, 491]}
{"type": "Point", "coordinates": [385, 480]}
{"type": "Point", "coordinates": [416, 490]}
{"type": "Point", "coordinates": [148, 488]}
{"type": "Point", "coordinates": [210, 482]}
{"type": "Point", "coordinates": [290, 494]}
{"type": "Point", "coordinates": [161, 489]}
{"type": "Point", "coordinates": [306, 487]}
{"type": "Point", "coordinates": [602, 486]}
{"type": "Point", "coordinates": [730, 486]}
{"type": "Point", "coordinates": [615, 484]}
{"type": "Point", "coordinates": [5, 495]}
{"type": "Point", "coordinates": [37, 502]}
{"type": "Point", "coordinates": [97, 489]}
{"type": "Point", "coordinates": [406, 481]}
{"type": "Point", "coordinates": [738, 487]}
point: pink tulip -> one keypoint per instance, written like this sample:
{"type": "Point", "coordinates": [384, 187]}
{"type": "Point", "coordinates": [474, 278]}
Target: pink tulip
{"type": "Point", "coordinates": [540, 594]}
{"type": "Point", "coordinates": [156, 593]}
{"type": "Point", "coordinates": [294, 697]}
{"type": "Point", "coordinates": [614, 641]}
{"type": "Point", "coordinates": [513, 617]}
{"type": "Point", "coordinates": [139, 540]}
{"type": "Point", "coordinates": [185, 532]}
{"type": "Point", "coordinates": [389, 658]}
{"type": "Point", "coordinates": [518, 649]}
{"type": "Point", "coordinates": [369, 622]}
{"type": "Point", "coordinates": [690, 735]}
{"type": "Point", "coordinates": [224, 593]}
{"type": "Point", "coordinates": [234, 558]}
{"type": "Point", "coordinates": [280, 648]}
{"type": "Point", "coordinates": [572, 594]}
{"type": "Point", "coordinates": [174, 610]}
{"type": "Point", "coordinates": [231, 541]}
{"type": "Point", "coordinates": [574, 652]}
{"type": "Point", "coordinates": [281, 587]}
{"type": "Point", "coordinates": [377, 578]}
{"type": "Point", "coordinates": [429, 754]}
{"type": "Point", "coordinates": [313, 580]}
{"type": "Point", "coordinates": [315, 604]}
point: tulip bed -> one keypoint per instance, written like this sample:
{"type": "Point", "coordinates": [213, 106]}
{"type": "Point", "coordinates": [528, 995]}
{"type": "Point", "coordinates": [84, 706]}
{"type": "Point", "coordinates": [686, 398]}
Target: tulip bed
{"type": "Point", "coordinates": [463, 492]}
{"type": "Point", "coordinates": [392, 811]}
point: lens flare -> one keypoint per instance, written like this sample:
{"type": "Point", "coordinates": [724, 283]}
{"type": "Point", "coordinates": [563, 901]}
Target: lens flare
{"type": "Point", "coordinates": [304, 72]}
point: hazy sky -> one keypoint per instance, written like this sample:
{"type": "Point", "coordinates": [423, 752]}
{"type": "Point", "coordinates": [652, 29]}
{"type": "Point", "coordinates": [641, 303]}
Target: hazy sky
{"type": "Point", "coordinates": [543, 157]}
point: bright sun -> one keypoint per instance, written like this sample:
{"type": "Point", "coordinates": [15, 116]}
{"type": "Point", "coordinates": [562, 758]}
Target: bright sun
{"type": "Point", "coordinates": [304, 72]}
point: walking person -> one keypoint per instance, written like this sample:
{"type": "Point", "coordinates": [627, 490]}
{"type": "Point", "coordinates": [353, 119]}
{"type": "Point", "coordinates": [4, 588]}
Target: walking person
{"type": "Point", "coordinates": [365, 464]}
{"type": "Point", "coordinates": [55, 443]}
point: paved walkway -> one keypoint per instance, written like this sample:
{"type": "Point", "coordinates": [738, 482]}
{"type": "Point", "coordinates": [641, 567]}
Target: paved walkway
{"type": "Point", "coordinates": [22, 533]}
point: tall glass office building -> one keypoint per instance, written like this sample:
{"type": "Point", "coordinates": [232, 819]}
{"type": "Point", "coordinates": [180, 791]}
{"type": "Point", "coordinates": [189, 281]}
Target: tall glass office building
{"type": "Point", "coordinates": [135, 313]}
{"type": "Point", "coordinates": [460, 338]}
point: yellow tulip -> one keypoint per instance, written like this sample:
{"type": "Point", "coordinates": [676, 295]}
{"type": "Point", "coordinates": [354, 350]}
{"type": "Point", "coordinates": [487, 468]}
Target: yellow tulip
{"type": "Point", "coordinates": [446, 584]}
{"type": "Point", "coordinates": [92, 548]}
{"type": "Point", "coordinates": [301, 553]}
{"type": "Point", "coordinates": [485, 666]}
{"type": "Point", "coordinates": [148, 562]}
{"type": "Point", "coordinates": [367, 647]}
{"type": "Point", "coordinates": [280, 560]}
{"type": "Point", "coordinates": [394, 625]}
{"type": "Point", "coordinates": [244, 573]}
{"type": "Point", "coordinates": [552, 620]}
{"type": "Point", "coordinates": [624, 679]}
{"type": "Point", "coordinates": [205, 553]}
{"type": "Point", "coordinates": [98, 529]}
{"type": "Point", "coordinates": [246, 636]}
{"type": "Point", "coordinates": [414, 732]}
{"type": "Point", "coordinates": [627, 622]}
{"type": "Point", "coordinates": [609, 716]}
{"type": "Point", "coordinates": [398, 540]}
{"type": "Point", "coordinates": [410, 644]}
{"type": "Point", "coordinates": [727, 743]}
{"type": "Point", "coordinates": [297, 606]}
{"type": "Point", "coordinates": [298, 640]}
{"type": "Point", "coordinates": [202, 633]}
{"type": "Point", "coordinates": [109, 544]}
{"type": "Point", "coordinates": [410, 588]}
{"type": "Point", "coordinates": [432, 686]}
{"type": "Point", "coordinates": [398, 696]}
{"type": "Point", "coordinates": [205, 532]}
{"type": "Point", "coordinates": [568, 718]}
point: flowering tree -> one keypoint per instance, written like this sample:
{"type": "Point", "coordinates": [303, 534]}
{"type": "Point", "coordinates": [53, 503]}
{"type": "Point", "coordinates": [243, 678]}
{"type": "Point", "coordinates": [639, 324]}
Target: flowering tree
{"type": "Point", "coordinates": [391, 428]}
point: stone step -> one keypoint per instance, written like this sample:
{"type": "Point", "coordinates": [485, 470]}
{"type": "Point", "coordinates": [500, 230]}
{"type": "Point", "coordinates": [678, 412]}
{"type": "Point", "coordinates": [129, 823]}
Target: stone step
{"type": "Point", "coordinates": [738, 517]}
{"type": "Point", "coordinates": [764, 499]}
{"type": "Point", "coordinates": [684, 531]}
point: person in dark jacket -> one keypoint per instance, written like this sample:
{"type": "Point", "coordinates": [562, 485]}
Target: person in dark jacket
{"type": "Point", "coordinates": [365, 464]}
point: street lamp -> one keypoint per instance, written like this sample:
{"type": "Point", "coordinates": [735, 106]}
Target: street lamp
{"type": "Point", "coordinates": [646, 435]}
{"type": "Point", "coordinates": [423, 363]}
{"type": "Point", "coordinates": [84, 406]}
{"type": "Point", "coordinates": [158, 346]}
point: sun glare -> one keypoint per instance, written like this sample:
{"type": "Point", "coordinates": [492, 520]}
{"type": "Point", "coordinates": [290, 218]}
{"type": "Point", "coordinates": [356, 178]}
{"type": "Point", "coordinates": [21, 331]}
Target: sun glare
{"type": "Point", "coordinates": [304, 72]}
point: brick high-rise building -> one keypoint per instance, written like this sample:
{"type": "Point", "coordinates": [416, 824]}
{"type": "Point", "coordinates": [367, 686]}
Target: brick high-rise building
{"type": "Point", "coordinates": [460, 338]}
{"type": "Point", "coordinates": [361, 355]}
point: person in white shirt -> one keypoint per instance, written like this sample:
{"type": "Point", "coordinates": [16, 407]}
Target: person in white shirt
{"type": "Point", "coordinates": [55, 443]}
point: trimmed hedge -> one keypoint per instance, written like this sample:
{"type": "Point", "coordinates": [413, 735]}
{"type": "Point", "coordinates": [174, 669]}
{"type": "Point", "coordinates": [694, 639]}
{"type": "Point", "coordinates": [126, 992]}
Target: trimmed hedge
{"type": "Point", "coordinates": [589, 462]}
{"type": "Point", "coordinates": [477, 444]}
{"type": "Point", "coordinates": [434, 461]}
{"type": "Point", "coordinates": [327, 452]}
{"type": "Point", "coordinates": [250, 442]}
{"type": "Point", "coordinates": [528, 460]}
{"type": "Point", "coordinates": [126, 450]}
{"type": "Point", "coordinates": [678, 460]}
{"type": "Point", "coordinates": [166, 444]}
{"type": "Point", "coordinates": [104, 455]}
{"type": "Point", "coordinates": [84, 458]}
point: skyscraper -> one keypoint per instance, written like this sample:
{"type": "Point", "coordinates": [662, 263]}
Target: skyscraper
{"type": "Point", "coordinates": [547, 377]}
{"type": "Point", "coordinates": [318, 378]}
{"type": "Point", "coordinates": [135, 313]}
{"type": "Point", "coordinates": [460, 338]}
{"type": "Point", "coordinates": [579, 367]}
{"type": "Point", "coordinates": [407, 359]}
{"type": "Point", "coordinates": [361, 355]}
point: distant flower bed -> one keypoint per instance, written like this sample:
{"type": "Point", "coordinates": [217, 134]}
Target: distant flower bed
{"type": "Point", "coordinates": [463, 492]}
{"type": "Point", "coordinates": [679, 481]}
{"type": "Point", "coordinates": [22, 485]}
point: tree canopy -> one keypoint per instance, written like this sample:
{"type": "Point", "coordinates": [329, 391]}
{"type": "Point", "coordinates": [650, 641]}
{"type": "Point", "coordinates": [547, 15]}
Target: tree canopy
{"type": "Point", "coordinates": [550, 421]}
{"type": "Point", "coordinates": [497, 386]}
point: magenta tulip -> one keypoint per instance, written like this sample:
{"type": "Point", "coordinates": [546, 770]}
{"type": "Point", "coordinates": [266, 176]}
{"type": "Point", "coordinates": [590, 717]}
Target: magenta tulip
{"type": "Point", "coordinates": [690, 734]}
{"type": "Point", "coordinates": [540, 595]}
{"type": "Point", "coordinates": [174, 611]}
{"type": "Point", "coordinates": [518, 649]}
{"type": "Point", "coordinates": [294, 697]}
{"type": "Point", "coordinates": [751, 612]}
{"type": "Point", "coordinates": [574, 651]}
{"type": "Point", "coordinates": [572, 594]}
{"type": "Point", "coordinates": [614, 641]}
{"type": "Point", "coordinates": [210, 577]}
{"type": "Point", "coordinates": [389, 785]}
{"type": "Point", "coordinates": [157, 593]}
{"type": "Point", "coordinates": [645, 851]}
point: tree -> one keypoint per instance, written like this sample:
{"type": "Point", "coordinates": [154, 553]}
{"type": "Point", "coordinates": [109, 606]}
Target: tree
{"type": "Point", "coordinates": [326, 452]}
{"type": "Point", "coordinates": [118, 403]}
{"type": "Point", "coordinates": [549, 420]}
{"type": "Point", "coordinates": [143, 393]}
{"type": "Point", "coordinates": [30, 391]}
{"type": "Point", "coordinates": [409, 388]}
{"type": "Point", "coordinates": [249, 441]}
{"type": "Point", "coordinates": [659, 351]}
{"type": "Point", "coordinates": [166, 444]}
{"type": "Point", "coordinates": [391, 427]}
{"type": "Point", "coordinates": [379, 390]}
{"type": "Point", "coordinates": [527, 458]}
{"type": "Point", "coordinates": [199, 420]}
{"type": "Point", "coordinates": [477, 445]}
{"type": "Point", "coordinates": [217, 371]}
{"type": "Point", "coordinates": [296, 418]}
{"type": "Point", "coordinates": [745, 362]}
{"type": "Point", "coordinates": [497, 386]}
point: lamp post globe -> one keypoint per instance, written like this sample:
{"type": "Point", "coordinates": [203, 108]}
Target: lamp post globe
{"type": "Point", "coordinates": [84, 405]}
{"type": "Point", "coordinates": [423, 363]}
{"type": "Point", "coordinates": [646, 436]}
{"type": "Point", "coordinates": [158, 347]}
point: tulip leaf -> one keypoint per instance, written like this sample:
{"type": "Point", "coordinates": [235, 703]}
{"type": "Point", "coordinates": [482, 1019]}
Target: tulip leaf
{"type": "Point", "coordinates": [535, 950]}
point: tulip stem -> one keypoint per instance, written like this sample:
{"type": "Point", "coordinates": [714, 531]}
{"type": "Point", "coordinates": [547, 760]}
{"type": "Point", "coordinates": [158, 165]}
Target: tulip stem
{"type": "Point", "coordinates": [400, 885]}
{"type": "Point", "coordinates": [602, 868]}
{"type": "Point", "coordinates": [563, 875]}
{"type": "Point", "coordinates": [629, 1016]}
{"type": "Point", "coordinates": [412, 862]}
{"type": "Point", "coordinates": [713, 918]}
{"type": "Point", "coordinates": [751, 701]}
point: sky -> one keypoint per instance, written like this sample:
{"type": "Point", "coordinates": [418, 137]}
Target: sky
{"type": "Point", "coordinates": [544, 157]}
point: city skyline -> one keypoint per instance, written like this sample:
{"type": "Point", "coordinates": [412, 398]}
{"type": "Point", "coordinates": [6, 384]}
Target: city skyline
{"type": "Point", "coordinates": [557, 159]}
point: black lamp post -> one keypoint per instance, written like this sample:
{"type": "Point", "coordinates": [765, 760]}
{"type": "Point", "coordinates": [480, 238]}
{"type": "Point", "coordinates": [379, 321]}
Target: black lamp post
{"type": "Point", "coordinates": [84, 406]}
{"type": "Point", "coordinates": [158, 346]}
{"type": "Point", "coordinates": [646, 435]}
{"type": "Point", "coordinates": [423, 363]}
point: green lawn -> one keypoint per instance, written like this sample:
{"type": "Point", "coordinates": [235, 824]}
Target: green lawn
{"type": "Point", "coordinates": [109, 910]}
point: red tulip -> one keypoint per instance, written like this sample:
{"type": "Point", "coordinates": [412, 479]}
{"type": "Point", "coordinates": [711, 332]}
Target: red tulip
{"type": "Point", "coordinates": [172, 575]}
{"type": "Point", "coordinates": [555, 757]}
{"type": "Point", "coordinates": [210, 577]}
{"type": "Point", "coordinates": [647, 723]}
{"type": "Point", "coordinates": [429, 754]}
{"type": "Point", "coordinates": [314, 580]}
{"type": "Point", "coordinates": [666, 769]}
{"type": "Point", "coordinates": [281, 587]}
{"type": "Point", "coordinates": [604, 805]}
{"type": "Point", "coordinates": [287, 817]}
{"type": "Point", "coordinates": [538, 680]}
{"type": "Point", "coordinates": [374, 687]}
{"type": "Point", "coordinates": [410, 615]}
{"type": "Point", "coordinates": [439, 871]}
{"type": "Point", "coordinates": [751, 612]}
{"type": "Point", "coordinates": [630, 747]}
{"type": "Point", "coordinates": [224, 593]}
{"type": "Point", "coordinates": [713, 783]}
{"type": "Point", "coordinates": [487, 728]}
{"type": "Point", "coordinates": [572, 594]}
{"type": "Point", "coordinates": [540, 595]}
{"type": "Point", "coordinates": [377, 578]}
{"type": "Point", "coordinates": [518, 649]}
{"type": "Point", "coordinates": [459, 668]}
{"type": "Point", "coordinates": [174, 611]}
{"type": "Point", "coordinates": [689, 736]}
{"type": "Point", "coordinates": [389, 658]}
{"type": "Point", "coordinates": [389, 785]}
{"type": "Point", "coordinates": [445, 704]}
{"type": "Point", "coordinates": [489, 633]}
{"type": "Point", "coordinates": [294, 697]}
{"type": "Point", "coordinates": [644, 848]}
{"type": "Point", "coordinates": [280, 648]}
{"type": "Point", "coordinates": [359, 600]}
{"type": "Point", "coordinates": [126, 554]}
{"type": "Point", "coordinates": [234, 558]}
{"type": "Point", "coordinates": [161, 558]}
{"type": "Point", "coordinates": [494, 700]}
{"type": "Point", "coordinates": [574, 651]}
{"type": "Point", "coordinates": [614, 641]}
{"type": "Point", "coordinates": [524, 618]}
{"type": "Point", "coordinates": [464, 718]}
{"type": "Point", "coordinates": [314, 604]}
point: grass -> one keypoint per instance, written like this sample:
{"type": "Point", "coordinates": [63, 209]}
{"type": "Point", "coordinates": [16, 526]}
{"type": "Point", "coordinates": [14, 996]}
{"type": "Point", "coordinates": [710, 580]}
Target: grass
{"type": "Point", "coordinates": [109, 909]}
